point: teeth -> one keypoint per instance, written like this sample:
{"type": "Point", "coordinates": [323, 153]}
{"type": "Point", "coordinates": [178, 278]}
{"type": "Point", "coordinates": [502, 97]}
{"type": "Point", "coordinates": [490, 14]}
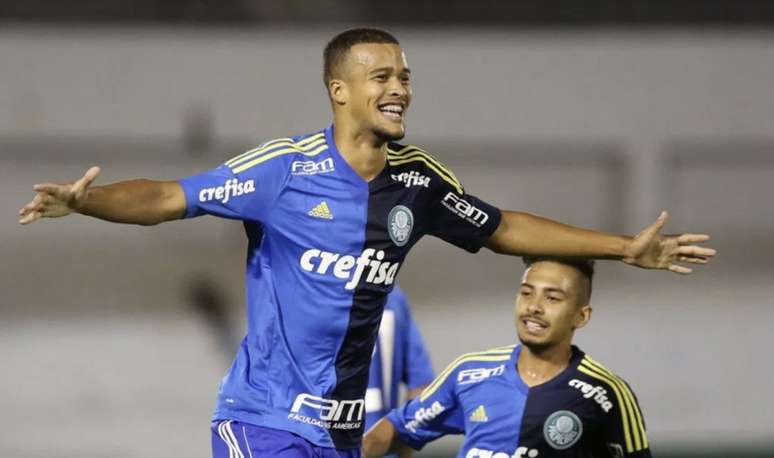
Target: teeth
{"type": "Point", "coordinates": [392, 108]}
{"type": "Point", "coordinates": [534, 326]}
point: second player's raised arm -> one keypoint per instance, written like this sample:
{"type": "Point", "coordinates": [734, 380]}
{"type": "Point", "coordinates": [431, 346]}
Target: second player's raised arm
{"type": "Point", "coordinates": [381, 440]}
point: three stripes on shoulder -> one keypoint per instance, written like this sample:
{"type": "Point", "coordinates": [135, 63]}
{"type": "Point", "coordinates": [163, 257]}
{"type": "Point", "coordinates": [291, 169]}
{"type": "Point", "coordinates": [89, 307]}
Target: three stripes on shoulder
{"type": "Point", "coordinates": [315, 144]}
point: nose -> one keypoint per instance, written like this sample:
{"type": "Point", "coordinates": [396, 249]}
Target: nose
{"type": "Point", "coordinates": [397, 89]}
{"type": "Point", "coordinates": [534, 306]}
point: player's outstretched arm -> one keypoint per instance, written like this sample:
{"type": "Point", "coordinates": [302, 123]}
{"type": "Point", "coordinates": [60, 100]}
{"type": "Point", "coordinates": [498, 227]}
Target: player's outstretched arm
{"type": "Point", "coordinates": [144, 202]}
{"type": "Point", "coordinates": [381, 440]}
{"type": "Point", "coordinates": [525, 234]}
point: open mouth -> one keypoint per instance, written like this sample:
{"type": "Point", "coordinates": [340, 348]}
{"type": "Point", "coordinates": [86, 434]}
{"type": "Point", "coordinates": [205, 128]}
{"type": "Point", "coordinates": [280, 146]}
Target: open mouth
{"type": "Point", "coordinates": [392, 111]}
{"type": "Point", "coordinates": [534, 326]}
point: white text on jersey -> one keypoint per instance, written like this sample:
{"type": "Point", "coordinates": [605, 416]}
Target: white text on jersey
{"type": "Point", "coordinates": [412, 178]}
{"type": "Point", "coordinates": [480, 373]}
{"type": "Point", "coordinates": [312, 167]}
{"type": "Point", "coordinates": [331, 412]}
{"type": "Point", "coordinates": [590, 391]}
{"type": "Point", "coordinates": [464, 209]}
{"type": "Point", "coordinates": [521, 452]}
{"type": "Point", "coordinates": [380, 272]}
{"type": "Point", "coordinates": [423, 415]}
{"type": "Point", "coordinates": [232, 188]}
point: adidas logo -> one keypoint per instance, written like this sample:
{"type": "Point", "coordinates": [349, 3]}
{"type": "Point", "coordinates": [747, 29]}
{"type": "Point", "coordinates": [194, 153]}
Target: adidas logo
{"type": "Point", "coordinates": [479, 415]}
{"type": "Point", "coordinates": [321, 210]}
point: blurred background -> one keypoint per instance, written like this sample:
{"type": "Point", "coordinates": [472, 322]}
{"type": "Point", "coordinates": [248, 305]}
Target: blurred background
{"type": "Point", "coordinates": [113, 338]}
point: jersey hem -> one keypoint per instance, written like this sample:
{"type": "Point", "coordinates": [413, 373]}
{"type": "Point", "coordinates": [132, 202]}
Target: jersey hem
{"type": "Point", "coordinates": [278, 422]}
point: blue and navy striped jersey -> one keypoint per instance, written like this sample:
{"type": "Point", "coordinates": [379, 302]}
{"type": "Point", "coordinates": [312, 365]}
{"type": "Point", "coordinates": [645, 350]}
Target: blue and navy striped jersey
{"type": "Point", "coordinates": [400, 357]}
{"type": "Point", "coordinates": [324, 249]}
{"type": "Point", "coordinates": [585, 411]}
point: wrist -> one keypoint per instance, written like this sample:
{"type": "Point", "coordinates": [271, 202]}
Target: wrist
{"type": "Point", "coordinates": [625, 251]}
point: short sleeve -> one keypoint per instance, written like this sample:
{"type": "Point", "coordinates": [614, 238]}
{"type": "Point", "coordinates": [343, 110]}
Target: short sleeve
{"type": "Point", "coordinates": [244, 193]}
{"type": "Point", "coordinates": [462, 219]}
{"type": "Point", "coordinates": [624, 428]}
{"type": "Point", "coordinates": [427, 417]}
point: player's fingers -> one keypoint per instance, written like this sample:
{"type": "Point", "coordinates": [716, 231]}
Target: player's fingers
{"type": "Point", "coordinates": [30, 217]}
{"type": "Point", "coordinates": [693, 259]}
{"type": "Point", "coordinates": [650, 231]}
{"type": "Point", "coordinates": [692, 238]}
{"type": "Point", "coordinates": [678, 269]}
{"type": "Point", "coordinates": [693, 250]}
{"type": "Point", "coordinates": [49, 188]}
{"type": "Point", "coordinates": [86, 179]}
{"type": "Point", "coordinates": [33, 204]}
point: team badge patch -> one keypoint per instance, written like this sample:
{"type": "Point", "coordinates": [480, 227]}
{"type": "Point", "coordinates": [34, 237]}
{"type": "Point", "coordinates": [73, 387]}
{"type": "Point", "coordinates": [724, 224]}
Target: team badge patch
{"type": "Point", "coordinates": [400, 221]}
{"type": "Point", "coordinates": [562, 429]}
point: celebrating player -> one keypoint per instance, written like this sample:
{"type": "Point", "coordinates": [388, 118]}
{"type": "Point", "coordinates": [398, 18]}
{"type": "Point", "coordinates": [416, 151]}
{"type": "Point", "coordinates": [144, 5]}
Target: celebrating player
{"type": "Point", "coordinates": [543, 398]}
{"type": "Point", "coordinates": [339, 210]}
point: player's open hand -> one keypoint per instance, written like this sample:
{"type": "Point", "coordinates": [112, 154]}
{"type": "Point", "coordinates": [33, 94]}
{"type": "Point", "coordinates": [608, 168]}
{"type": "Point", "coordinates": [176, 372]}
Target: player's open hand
{"type": "Point", "coordinates": [651, 250]}
{"type": "Point", "coordinates": [56, 200]}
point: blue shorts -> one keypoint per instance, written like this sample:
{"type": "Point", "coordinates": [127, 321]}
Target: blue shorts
{"type": "Point", "coordinates": [233, 439]}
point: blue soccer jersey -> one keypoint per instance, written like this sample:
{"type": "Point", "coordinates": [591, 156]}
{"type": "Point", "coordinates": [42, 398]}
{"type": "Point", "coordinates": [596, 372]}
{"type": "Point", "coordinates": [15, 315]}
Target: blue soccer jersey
{"type": "Point", "coordinates": [324, 248]}
{"type": "Point", "coordinates": [399, 357]}
{"type": "Point", "coordinates": [585, 411]}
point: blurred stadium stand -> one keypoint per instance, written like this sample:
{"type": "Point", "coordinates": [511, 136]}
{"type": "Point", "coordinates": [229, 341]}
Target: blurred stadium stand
{"type": "Point", "coordinates": [647, 105]}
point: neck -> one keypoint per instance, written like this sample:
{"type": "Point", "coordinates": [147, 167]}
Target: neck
{"type": "Point", "coordinates": [537, 367]}
{"type": "Point", "coordinates": [363, 151]}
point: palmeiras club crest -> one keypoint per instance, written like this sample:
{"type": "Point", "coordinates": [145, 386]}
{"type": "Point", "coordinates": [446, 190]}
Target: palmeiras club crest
{"type": "Point", "coordinates": [400, 221]}
{"type": "Point", "coordinates": [562, 429]}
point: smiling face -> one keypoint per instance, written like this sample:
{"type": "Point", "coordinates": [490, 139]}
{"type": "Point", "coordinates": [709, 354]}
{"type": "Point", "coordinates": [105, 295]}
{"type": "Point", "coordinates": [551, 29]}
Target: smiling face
{"type": "Point", "coordinates": [372, 90]}
{"type": "Point", "coordinates": [552, 303]}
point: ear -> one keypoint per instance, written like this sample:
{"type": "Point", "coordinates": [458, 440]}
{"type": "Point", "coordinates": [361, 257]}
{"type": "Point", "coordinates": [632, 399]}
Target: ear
{"type": "Point", "coordinates": [583, 317]}
{"type": "Point", "coordinates": [338, 91]}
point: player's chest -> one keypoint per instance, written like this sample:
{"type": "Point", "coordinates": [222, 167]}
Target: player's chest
{"type": "Point", "coordinates": [561, 421]}
{"type": "Point", "coordinates": [502, 419]}
{"type": "Point", "coordinates": [326, 211]}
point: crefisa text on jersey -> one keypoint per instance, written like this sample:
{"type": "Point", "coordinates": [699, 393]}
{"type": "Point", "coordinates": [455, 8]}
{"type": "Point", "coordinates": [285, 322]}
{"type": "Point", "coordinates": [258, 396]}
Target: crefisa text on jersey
{"type": "Point", "coordinates": [593, 391]}
{"type": "Point", "coordinates": [380, 272]}
{"type": "Point", "coordinates": [412, 178]}
{"type": "Point", "coordinates": [424, 414]}
{"type": "Point", "coordinates": [231, 188]}
{"type": "Point", "coordinates": [521, 452]}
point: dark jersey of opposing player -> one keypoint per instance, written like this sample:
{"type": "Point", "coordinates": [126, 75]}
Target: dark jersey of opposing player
{"type": "Point", "coordinates": [324, 249]}
{"type": "Point", "coordinates": [585, 411]}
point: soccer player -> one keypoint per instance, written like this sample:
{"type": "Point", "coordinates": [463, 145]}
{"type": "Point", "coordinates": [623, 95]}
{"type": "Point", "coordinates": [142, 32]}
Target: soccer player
{"type": "Point", "coordinates": [339, 209]}
{"type": "Point", "coordinates": [399, 357]}
{"type": "Point", "coordinates": [543, 398]}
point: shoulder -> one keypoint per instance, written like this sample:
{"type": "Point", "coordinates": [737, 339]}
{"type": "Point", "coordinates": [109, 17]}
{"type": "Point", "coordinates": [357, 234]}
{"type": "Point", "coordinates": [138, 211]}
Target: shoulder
{"type": "Point", "coordinates": [411, 158]}
{"type": "Point", "coordinates": [279, 152]}
{"type": "Point", "coordinates": [589, 369]}
{"type": "Point", "coordinates": [472, 367]}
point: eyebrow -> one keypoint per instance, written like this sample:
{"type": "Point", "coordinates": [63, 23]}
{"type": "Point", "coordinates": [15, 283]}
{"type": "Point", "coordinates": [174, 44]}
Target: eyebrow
{"type": "Point", "coordinates": [389, 69]}
{"type": "Point", "coordinates": [552, 290]}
